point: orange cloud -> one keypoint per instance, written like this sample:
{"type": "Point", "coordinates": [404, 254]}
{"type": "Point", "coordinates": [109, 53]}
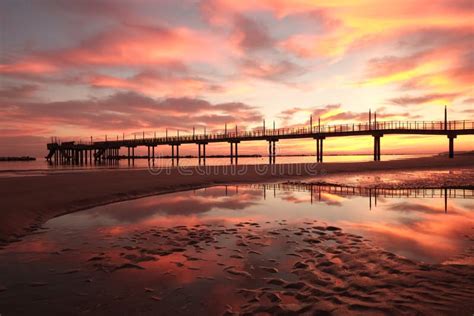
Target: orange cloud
{"type": "Point", "coordinates": [29, 66]}
{"type": "Point", "coordinates": [155, 84]}
{"type": "Point", "coordinates": [352, 22]}
{"type": "Point", "coordinates": [441, 74]}
{"type": "Point", "coordinates": [125, 46]}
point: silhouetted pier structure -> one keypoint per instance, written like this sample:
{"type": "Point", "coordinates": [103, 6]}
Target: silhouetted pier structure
{"type": "Point", "coordinates": [108, 150]}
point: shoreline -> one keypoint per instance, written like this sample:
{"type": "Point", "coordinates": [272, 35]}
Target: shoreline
{"type": "Point", "coordinates": [64, 193]}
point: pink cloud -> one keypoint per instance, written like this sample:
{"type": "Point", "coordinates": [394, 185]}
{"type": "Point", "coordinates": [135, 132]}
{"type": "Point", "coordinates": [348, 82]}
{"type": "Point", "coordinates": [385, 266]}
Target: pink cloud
{"type": "Point", "coordinates": [154, 83]}
{"type": "Point", "coordinates": [250, 35]}
{"type": "Point", "coordinates": [128, 111]}
{"type": "Point", "coordinates": [18, 92]}
{"type": "Point", "coordinates": [125, 46]}
{"type": "Point", "coordinates": [270, 70]}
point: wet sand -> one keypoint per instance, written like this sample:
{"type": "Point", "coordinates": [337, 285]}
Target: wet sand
{"type": "Point", "coordinates": [461, 178]}
{"type": "Point", "coordinates": [264, 268]}
{"type": "Point", "coordinates": [29, 201]}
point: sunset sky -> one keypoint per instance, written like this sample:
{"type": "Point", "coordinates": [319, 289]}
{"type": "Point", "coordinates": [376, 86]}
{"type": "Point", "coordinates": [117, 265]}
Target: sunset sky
{"type": "Point", "coordinates": [76, 69]}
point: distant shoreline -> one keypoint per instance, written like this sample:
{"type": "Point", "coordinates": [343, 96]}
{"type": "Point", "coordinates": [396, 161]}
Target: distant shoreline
{"type": "Point", "coordinates": [23, 158]}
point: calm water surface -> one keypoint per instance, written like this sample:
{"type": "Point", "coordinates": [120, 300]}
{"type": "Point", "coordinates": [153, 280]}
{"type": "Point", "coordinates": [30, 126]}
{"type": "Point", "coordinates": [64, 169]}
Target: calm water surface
{"type": "Point", "coordinates": [418, 224]}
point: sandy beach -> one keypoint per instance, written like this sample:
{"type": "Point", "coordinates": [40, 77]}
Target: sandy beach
{"type": "Point", "coordinates": [29, 201]}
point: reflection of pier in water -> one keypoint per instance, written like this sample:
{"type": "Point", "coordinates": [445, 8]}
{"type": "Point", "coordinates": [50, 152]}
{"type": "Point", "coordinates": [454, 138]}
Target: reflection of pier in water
{"type": "Point", "coordinates": [316, 191]}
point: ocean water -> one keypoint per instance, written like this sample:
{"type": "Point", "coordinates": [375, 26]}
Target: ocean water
{"type": "Point", "coordinates": [40, 166]}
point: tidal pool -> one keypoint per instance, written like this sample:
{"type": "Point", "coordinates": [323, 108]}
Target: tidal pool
{"type": "Point", "coordinates": [248, 248]}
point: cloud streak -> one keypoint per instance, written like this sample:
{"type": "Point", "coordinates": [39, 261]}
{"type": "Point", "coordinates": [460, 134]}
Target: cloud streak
{"type": "Point", "coordinates": [130, 111]}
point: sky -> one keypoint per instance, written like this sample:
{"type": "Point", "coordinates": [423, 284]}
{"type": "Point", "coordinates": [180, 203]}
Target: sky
{"type": "Point", "coordinates": [76, 69]}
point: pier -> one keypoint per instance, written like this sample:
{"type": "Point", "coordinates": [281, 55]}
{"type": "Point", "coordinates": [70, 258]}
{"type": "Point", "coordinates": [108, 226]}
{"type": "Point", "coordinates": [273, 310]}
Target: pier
{"type": "Point", "coordinates": [72, 152]}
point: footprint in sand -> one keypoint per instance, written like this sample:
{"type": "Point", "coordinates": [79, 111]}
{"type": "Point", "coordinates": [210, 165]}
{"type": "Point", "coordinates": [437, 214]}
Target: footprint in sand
{"type": "Point", "coordinates": [269, 269]}
{"type": "Point", "coordinates": [194, 268]}
{"type": "Point", "coordinates": [178, 264]}
{"type": "Point", "coordinates": [294, 255]}
{"type": "Point", "coordinates": [128, 266]}
{"type": "Point", "coordinates": [273, 297]}
{"type": "Point", "coordinates": [155, 298]}
{"type": "Point", "coordinates": [300, 265]}
{"type": "Point", "coordinates": [234, 271]}
{"type": "Point", "coordinates": [276, 281]}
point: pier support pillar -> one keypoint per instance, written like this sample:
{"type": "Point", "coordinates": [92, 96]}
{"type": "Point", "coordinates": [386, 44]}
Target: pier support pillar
{"type": "Point", "coordinates": [319, 149]}
{"type": "Point", "coordinates": [234, 152]}
{"type": "Point", "coordinates": [451, 145]}
{"type": "Point", "coordinates": [272, 150]}
{"type": "Point", "coordinates": [173, 156]}
{"type": "Point", "coordinates": [202, 152]}
{"type": "Point", "coordinates": [377, 150]}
